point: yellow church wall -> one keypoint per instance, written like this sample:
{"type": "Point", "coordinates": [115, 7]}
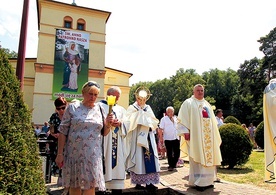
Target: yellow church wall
{"type": "Point", "coordinates": [43, 83]}
{"type": "Point", "coordinates": [38, 74]}
{"type": "Point", "coordinates": [51, 14]}
{"type": "Point", "coordinates": [96, 57]}
{"type": "Point", "coordinates": [28, 92]}
{"type": "Point", "coordinates": [39, 100]}
{"type": "Point", "coordinates": [51, 18]}
{"type": "Point", "coordinates": [46, 49]}
{"type": "Point", "coordinates": [43, 107]}
{"type": "Point", "coordinates": [29, 67]}
{"type": "Point", "coordinates": [117, 78]}
{"type": "Point", "coordinates": [120, 79]}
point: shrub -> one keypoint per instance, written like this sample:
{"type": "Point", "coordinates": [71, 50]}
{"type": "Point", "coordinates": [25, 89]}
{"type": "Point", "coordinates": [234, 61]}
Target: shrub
{"type": "Point", "coordinates": [259, 135]}
{"type": "Point", "coordinates": [236, 146]}
{"type": "Point", "coordinates": [20, 164]}
{"type": "Point", "coordinates": [232, 119]}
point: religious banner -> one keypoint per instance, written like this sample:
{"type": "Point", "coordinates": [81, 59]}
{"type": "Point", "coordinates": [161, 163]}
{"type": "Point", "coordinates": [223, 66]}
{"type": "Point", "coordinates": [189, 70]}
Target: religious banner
{"type": "Point", "coordinates": [70, 64]}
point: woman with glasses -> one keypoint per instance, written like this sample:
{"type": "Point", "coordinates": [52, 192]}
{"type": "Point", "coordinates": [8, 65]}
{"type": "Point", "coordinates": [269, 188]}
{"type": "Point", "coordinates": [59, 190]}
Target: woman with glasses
{"type": "Point", "coordinates": [54, 122]}
{"type": "Point", "coordinates": [80, 143]}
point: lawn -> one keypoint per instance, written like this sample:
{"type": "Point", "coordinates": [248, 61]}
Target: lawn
{"type": "Point", "coordinates": [250, 173]}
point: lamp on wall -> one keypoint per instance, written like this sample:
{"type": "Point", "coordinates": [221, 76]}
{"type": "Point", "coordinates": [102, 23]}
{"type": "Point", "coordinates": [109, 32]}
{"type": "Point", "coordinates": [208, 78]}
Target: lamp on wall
{"type": "Point", "coordinates": [100, 72]}
{"type": "Point", "coordinates": [41, 66]}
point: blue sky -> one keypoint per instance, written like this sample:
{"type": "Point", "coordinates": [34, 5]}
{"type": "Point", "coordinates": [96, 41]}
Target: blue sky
{"type": "Point", "coordinates": [152, 39]}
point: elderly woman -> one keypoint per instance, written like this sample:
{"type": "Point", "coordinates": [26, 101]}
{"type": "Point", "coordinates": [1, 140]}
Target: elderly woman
{"type": "Point", "coordinates": [79, 143]}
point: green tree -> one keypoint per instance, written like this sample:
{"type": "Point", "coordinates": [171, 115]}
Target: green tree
{"type": "Point", "coordinates": [183, 83]}
{"type": "Point", "coordinates": [9, 53]}
{"type": "Point", "coordinates": [248, 106]}
{"type": "Point", "coordinates": [162, 96]}
{"type": "Point", "coordinates": [268, 47]}
{"type": "Point", "coordinates": [20, 164]}
{"type": "Point", "coordinates": [221, 86]}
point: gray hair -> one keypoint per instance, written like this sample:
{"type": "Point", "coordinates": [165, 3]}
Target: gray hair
{"type": "Point", "coordinates": [198, 85]}
{"type": "Point", "coordinates": [113, 89]}
{"type": "Point", "coordinates": [169, 108]}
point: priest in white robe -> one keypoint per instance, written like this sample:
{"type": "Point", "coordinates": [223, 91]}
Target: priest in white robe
{"type": "Point", "coordinates": [269, 112]}
{"type": "Point", "coordinates": [142, 157]}
{"type": "Point", "coordinates": [202, 139]}
{"type": "Point", "coordinates": [114, 145]}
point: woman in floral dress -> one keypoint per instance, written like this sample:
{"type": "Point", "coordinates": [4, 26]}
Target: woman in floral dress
{"type": "Point", "coordinates": [80, 139]}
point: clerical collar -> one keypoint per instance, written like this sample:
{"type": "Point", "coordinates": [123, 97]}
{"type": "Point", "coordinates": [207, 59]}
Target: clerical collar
{"type": "Point", "coordinates": [136, 106]}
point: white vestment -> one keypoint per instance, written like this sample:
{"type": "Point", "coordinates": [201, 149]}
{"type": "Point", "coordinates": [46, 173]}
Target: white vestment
{"type": "Point", "coordinates": [115, 177]}
{"type": "Point", "coordinates": [269, 112]}
{"type": "Point", "coordinates": [204, 145]}
{"type": "Point", "coordinates": [73, 79]}
{"type": "Point", "coordinates": [138, 122]}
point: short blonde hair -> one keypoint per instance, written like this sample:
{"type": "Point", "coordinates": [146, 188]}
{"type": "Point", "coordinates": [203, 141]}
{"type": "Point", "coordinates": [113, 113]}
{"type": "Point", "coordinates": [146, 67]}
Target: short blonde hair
{"type": "Point", "coordinates": [88, 85]}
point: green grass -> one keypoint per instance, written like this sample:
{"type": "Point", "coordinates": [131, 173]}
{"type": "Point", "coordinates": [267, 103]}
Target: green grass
{"type": "Point", "coordinates": [250, 173]}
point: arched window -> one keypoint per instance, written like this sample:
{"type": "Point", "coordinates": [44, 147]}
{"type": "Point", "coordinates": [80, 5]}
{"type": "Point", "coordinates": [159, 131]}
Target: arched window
{"type": "Point", "coordinates": [81, 24]}
{"type": "Point", "coordinates": [67, 22]}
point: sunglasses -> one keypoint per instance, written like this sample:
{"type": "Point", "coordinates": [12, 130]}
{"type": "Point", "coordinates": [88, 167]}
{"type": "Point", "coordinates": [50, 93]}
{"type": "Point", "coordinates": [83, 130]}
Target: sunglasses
{"type": "Point", "coordinates": [61, 108]}
{"type": "Point", "coordinates": [90, 84]}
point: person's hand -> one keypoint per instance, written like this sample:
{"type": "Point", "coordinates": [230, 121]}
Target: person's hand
{"type": "Point", "coordinates": [116, 123]}
{"type": "Point", "coordinates": [59, 160]}
{"type": "Point", "coordinates": [187, 136]}
{"type": "Point", "coordinates": [110, 118]}
{"type": "Point", "coordinates": [51, 129]}
{"type": "Point", "coordinates": [55, 135]}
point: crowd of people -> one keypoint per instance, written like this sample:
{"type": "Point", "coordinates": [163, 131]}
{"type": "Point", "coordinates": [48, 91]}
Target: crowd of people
{"type": "Point", "coordinates": [97, 143]}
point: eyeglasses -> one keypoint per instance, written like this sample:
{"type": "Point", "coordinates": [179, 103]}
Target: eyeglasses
{"type": "Point", "coordinates": [61, 108]}
{"type": "Point", "coordinates": [90, 84]}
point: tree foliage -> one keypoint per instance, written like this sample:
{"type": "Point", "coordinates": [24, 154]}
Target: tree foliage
{"type": "Point", "coordinates": [20, 164]}
{"type": "Point", "coordinates": [9, 53]}
{"type": "Point", "coordinates": [222, 86]}
{"type": "Point", "coordinates": [252, 81]}
{"type": "Point", "coordinates": [161, 99]}
{"type": "Point", "coordinates": [182, 84]}
{"type": "Point", "coordinates": [268, 47]}
{"type": "Point", "coordinates": [237, 93]}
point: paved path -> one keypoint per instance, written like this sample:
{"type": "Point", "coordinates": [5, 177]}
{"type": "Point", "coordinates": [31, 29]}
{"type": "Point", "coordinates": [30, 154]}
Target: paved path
{"type": "Point", "coordinates": [177, 180]}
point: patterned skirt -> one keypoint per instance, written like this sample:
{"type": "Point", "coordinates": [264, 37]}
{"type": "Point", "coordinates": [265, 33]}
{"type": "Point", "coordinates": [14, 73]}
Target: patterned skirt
{"type": "Point", "coordinates": [149, 178]}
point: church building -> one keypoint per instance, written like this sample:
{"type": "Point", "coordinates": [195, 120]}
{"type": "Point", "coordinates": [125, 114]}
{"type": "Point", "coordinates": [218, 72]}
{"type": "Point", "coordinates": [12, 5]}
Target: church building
{"type": "Point", "coordinates": [71, 51]}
